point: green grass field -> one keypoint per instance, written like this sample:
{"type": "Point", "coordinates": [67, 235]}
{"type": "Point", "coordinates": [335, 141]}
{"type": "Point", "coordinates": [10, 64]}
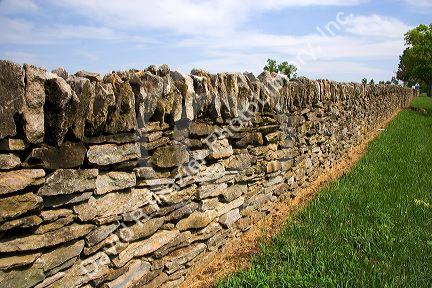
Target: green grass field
{"type": "Point", "coordinates": [371, 228]}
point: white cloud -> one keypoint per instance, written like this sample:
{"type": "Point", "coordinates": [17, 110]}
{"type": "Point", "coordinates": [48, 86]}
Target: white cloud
{"type": "Point", "coordinates": [420, 4]}
{"type": "Point", "coordinates": [18, 31]}
{"type": "Point", "coordinates": [14, 6]}
{"type": "Point", "coordinates": [377, 25]}
{"type": "Point", "coordinates": [184, 16]}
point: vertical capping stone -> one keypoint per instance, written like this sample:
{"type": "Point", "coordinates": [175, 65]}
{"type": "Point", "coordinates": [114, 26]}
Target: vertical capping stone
{"type": "Point", "coordinates": [11, 97]}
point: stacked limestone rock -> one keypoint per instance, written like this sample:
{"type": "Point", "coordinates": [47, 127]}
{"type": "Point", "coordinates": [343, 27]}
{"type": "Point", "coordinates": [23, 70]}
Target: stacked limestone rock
{"type": "Point", "coordinates": [135, 178]}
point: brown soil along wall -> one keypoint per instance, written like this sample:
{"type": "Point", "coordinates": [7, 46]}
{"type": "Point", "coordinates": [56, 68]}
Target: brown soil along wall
{"type": "Point", "coordinates": [135, 178]}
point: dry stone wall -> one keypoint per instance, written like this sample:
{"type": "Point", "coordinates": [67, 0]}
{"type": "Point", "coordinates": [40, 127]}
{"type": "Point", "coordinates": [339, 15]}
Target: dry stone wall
{"type": "Point", "coordinates": [135, 178]}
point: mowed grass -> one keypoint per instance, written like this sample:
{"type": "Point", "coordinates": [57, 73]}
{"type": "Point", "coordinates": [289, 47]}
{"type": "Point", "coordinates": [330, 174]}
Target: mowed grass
{"type": "Point", "coordinates": [371, 228]}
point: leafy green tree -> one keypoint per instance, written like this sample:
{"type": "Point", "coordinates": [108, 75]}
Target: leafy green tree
{"type": "Point", "coordinates": [372, 82]}
{"type": "Point", "coordinates": [271, 66]}
{"type": "Point", "coordinates": [287, 69]}
{"type": "Point", "coordinates": [381, 82]}
{"type": "Point", "coordinates": [394, 81]}
{"type": "Point", "coordinates": [364, 81]}
{"type": "Point", "coordinates": [416, 61]}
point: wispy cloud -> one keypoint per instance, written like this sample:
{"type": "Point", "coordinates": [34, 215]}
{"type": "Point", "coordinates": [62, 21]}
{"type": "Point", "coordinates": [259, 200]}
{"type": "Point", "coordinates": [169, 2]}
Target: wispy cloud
{"type": "Point", "coordinates": [377, 25]}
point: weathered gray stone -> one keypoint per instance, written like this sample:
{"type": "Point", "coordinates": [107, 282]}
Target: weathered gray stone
{"type": "Point", "coordinates": [254, 139]}
{"type": "Point", "coordinates": [180, 241]}
{"type": "Point", "coordinates": [62, 200]}
{"type": "Point", "coordinates": [220, 149]}
{"type": "Point", "coordinates": [197, 220]}
{"type": "Point", "coordinates": [61, 106]}
{"type": "Point", "coordinates": [170, 156]}
{"type": "Point", "coordinates": [52, 215]}
{"type": "Point", "coordinates": [68, 155]}
{"type": "Point", "coordinates": [141, 229]}
{"type": "Point", "coordinates": [111, 245]}
{"type": "Point", "coordinates": [68, 181]}
{"type": "Point", "coordinates": [57, 224]}
{"type": "Point", "coordinates": [100, 233]}
{"type": "Point", "coordinates": [156, 282]}
{"type": "Point", "coordinates": [57, 257]}
{"type": "Point", "coordinates": [173, 283]}
{"type": "Point", "coordinates": [149, 173]}
{"type": "Point", "coordinates": [49, 280]}
{"type": "Point", "coordinates": [206, 233]}
{"type": "Point", "coordinates": [212, 172]}
{"type": "Point", "coordinates": [111, 153]}
{"type": "Point", "coordinates": [181, 256]}
{"type": "Point", "coordinates": [123, 117]}
{"type": "Point", "coordinates": [231, 206]}
{"type": "Point", "coordinates": [177, 196]}
{"type": "Point", "coordinates": [94, 77]}
{"type": "Point", "coordinates": [102, 206]}
{"type": "Point", "coordinates": [13, 261]}
{"type": "Point", "coordinates": [184, 210]}
{"type": "Point", "coordinates": [61, 72]}
{"type": "Point", "coordinates": [210, 204]}
{"type": "Point", "coordinates": [103, 103]}
{"type": "Point", "coordinates": [201, 129]}
{"type": "Point", "coordinates": [134, 273]}
{"type": "Point", "coordinates": [34, 242]}
{"type": "Point", "coordinates": [238, 162]}
{"type": "Point", "coordinates": [9, 161]}
{"type": "Point", "coordinates": [84, 271]}
{"type": "Point", "coordinates": [14, 206]}
{"type": "Point", "coordinates": [11, 96]}
{"type": "Point", "coordinates": [24, 222]}
{"type": "Point", "coordinates": [233, 192]}
{"type": "Point", "coordinates": [12, 181]}
{"type": "Point", "coordinates": [26, 278]}
{"type": "Point", "coordinates": [33, 109]}
{"type": "Point", "coordinates": [229, 218]}
{"type": "Point", "coordinates": [211, 190]}
{"type": "Point", "coordinates": [113, 181]}
{"type": "Point", "coordinates": [145, 247]}
{"type": "Point", "coordinates": [184, 84]}
{"type": "Point", "coordinates": [85, 91]}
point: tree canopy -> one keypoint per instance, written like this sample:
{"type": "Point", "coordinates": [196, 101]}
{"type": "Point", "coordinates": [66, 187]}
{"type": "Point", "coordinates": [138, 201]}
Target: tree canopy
{"type": "Point", "coordinates": [283, 68]}
{"type": "Point", "coordinates": [416, 61]}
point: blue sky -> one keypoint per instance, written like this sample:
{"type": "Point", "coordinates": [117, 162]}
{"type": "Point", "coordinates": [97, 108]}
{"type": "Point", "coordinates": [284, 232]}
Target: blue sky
{"type": "Point", "coordinates": [343, 40]}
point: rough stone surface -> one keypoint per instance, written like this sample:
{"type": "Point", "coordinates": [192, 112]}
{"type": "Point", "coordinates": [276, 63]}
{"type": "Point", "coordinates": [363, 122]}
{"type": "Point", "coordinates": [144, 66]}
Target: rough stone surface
{"type": "Point", "coordinates": [229, 218]}
{"type": "Point", "coordinates": [102, 206]}
{"type": "Point", "coordinates": [59, 256]}
{"type": "Point", "coordinates": [53, 238]}
{"type": "Point", "coordinates": [24, 222]}
{"type": "Point", "coordinates": [11, 97]}
{"type": "Point", "coordinates": [14, 206]}
{"type": "Point", "coordinates": [12, 181]}
{"type": "Point", "coordinates": [18, 261]}
{"type": "Point", "coordinates": [100, 233]}
{"type": "Point", "coordinates": [170, 156]}
{"type": "Point", "coordinates": [69, 155]}
{"type": "Point", "coordinates": [113, 181]}
{"type": "Point", "coordinates": [141, 229]}
{"type": "Point", "coordinates": [67, 181]}
{"type": "Point", "coordinates": [197, 220]}
{"type": "Point", "coordinates": [112, 153]}
{"type": "Point", "coordinates": [145, 247]}
{"type": "Point", "coordinates": [9, 161]}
